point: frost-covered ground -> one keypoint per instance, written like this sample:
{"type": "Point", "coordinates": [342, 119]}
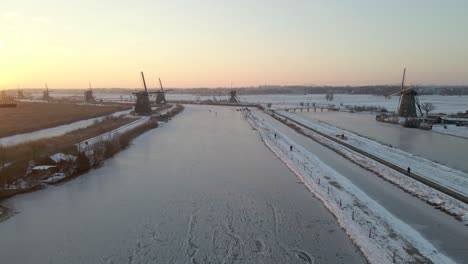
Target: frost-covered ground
{"type": "Point", "coordinates": [55, 131]}
{"type": "Point", "coordinates": [453, 130]}
{"type": "Point", "coordinates": [382, 237]}
{"type": "Point", "coordinates": [443, 175]}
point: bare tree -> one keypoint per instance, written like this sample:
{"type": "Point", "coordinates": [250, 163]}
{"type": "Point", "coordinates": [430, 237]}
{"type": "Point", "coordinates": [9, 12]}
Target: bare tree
{"type": "Point", "coordinates": [428, 107]}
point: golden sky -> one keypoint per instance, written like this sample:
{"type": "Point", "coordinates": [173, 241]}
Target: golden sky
{"type": "Point", "coordinates": [213, 43]}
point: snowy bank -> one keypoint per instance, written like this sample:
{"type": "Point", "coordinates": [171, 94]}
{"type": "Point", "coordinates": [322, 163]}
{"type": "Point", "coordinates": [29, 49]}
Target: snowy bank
{"type": "Point", "coordinates": [382, 237]}
{"type": "Point", "coordinates": [448, 177]}
{"type": "Point", "coordinates": [452, 130]}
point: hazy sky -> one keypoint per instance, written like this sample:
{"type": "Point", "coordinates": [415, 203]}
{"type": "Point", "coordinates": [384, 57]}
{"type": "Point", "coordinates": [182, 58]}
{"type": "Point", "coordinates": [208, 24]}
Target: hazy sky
{"type": "Point", "coordinates": [194, 43]}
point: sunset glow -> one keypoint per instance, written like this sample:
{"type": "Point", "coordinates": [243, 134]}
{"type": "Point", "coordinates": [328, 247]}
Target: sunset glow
{"type": "Point", "coordinates": [248, 43]}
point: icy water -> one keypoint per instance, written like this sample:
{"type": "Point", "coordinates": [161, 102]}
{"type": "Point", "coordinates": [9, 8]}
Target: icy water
{"type": "Point", "coordinates": [444, 149]}
{"type": "Point", "coordinates": [201, 189]}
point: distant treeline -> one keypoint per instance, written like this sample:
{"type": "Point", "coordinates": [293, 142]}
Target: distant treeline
{"type": "Point", "coordinates": [377, 90]}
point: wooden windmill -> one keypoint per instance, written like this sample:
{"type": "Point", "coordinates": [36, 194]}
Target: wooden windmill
{"type": "Point", "coordinates": [409, 100]}
{"type": "Point", "coordinates": [161, 94]}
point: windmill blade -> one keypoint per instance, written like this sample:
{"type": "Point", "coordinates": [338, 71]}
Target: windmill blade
{"type": "Point", "coordinates": [404, 90]}
{"type": "Point", "coordinates": [144, 82]}
{"type": "Point", "coordinates": [403, 80]}
{"type": "Point", "coordinates": [160, 84]}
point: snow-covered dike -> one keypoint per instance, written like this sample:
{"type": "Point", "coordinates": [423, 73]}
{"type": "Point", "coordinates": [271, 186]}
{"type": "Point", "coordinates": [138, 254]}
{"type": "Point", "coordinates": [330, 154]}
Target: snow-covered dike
{"type": "Point", "coordinates": [382, 237]}
{"type": "Point", "coordinates": [112, 134]}
{"type": "Point", "coordinates": [450, 178]}
{"type": "Point", "coordinates": [56, 131]}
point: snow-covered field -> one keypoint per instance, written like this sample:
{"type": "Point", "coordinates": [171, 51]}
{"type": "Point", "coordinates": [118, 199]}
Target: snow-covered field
{"type": "Point", "coordinates": [382, 237]}
{"type": "Point", "coordinates": [55, 131]}
{"type": "Point", "coordinates": [453, 130]}
{"type": "Point", "coordinates": [443, 175]}
{"type": "Point", "coordinates": [444, 104]}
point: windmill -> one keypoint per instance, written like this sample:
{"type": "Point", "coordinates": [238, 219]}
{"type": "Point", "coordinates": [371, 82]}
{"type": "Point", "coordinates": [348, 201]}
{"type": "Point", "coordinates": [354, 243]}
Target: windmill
{"type": "Point", "coordinates": [233, 98]}
{"type": "Point", "coordinates": [46, 94]}
{"type": "Point", "coordinates": [160, 95]}
{"type": "Point", "coordinates": [408, 100]}
{"type": "Point", "coordinates": [20, 94]}
{"type": "Point", "coordinates": [142, 104]}
{"type": "Point", "coordinates": [88, 94]}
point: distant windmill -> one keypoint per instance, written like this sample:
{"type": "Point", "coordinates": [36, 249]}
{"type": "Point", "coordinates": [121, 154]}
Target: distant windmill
{"type": "Point", "coordinates": [142, 104]}
{"type": "Point", "coordinates": [20, 94]}
{"type": "Point", "coordinates": [89, 97]}
{"type": "Point", "coordinates": [46, 94]}
{"type": "Point", "coordinates": [408, 100]}
{"type": "Point", "coordinates": [233, 97]}
{"type": "Point", "coordinates": [161, 94]}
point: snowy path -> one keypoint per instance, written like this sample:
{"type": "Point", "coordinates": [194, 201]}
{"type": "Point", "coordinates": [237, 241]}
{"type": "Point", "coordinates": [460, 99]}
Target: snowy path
{"type": "Point", "coordinates": [443, 175]}
{"type": "Point", "coordinates": [55, 131]}
{"type": "Point", "coordinates": [354, 209]}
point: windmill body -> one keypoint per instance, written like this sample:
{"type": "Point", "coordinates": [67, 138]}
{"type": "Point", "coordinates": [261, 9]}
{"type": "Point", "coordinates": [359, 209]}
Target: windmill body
{"type": "Point", "coordinates": [407, 106]}
{"type": "Point", "coordinates": [88, 95]}
{"type": "Point", "coordinates": [408, 101]}
{"type": "Point", "coordinates": [142, 104]}
{"type": "Point", "coordinates": [161, 94]}
{"type": "Point", "coordinates": [46, 94]}
{"type": "Point", "coordinates": [233, 97]}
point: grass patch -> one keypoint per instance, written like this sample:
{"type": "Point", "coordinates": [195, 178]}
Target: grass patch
{"type": "Point", "coordinates": [29, 117]}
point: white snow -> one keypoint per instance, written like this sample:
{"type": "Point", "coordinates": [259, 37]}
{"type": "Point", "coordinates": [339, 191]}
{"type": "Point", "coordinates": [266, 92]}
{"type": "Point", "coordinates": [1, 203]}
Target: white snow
{"type": "Point", "coordinates": [420, 190]}
{"type": "Point", "coordinates": [453, 130]}
{"type": "Point", "coordinates": [389, 235]}
{"type": "Point", "coordinates": [56, 131]}
{"type": "Point", "coordinates": [443, 104]}
{"type": "Point", "coordinates": [43, 167]}
{"type": "Point", "coordinates": [54, 178]}
{"type": "Point", "coordinates": [451, 178]}
{"type": "Point", "coordinates": [112, 134]}
{"type": "Point", "coordinates": [57, 157]}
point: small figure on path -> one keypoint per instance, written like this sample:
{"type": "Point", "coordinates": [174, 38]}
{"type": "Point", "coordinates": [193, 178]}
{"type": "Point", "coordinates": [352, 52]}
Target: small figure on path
{"type": "Point", "coordinates": [290, 148]}
{"type": "Point", "coordinates": [409, 170]}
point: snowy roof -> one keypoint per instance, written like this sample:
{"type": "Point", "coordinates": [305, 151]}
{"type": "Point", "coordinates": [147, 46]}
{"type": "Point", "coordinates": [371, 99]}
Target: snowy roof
{"type": "Point", "coordinates": [45, 167]}
{"type": "Point", "coordinates": [60, 156]}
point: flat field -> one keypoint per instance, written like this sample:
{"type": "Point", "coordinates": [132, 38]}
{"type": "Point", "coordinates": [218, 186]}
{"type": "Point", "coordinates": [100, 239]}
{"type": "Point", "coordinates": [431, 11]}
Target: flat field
{"type": "Point", "coordinates": [28, 116]}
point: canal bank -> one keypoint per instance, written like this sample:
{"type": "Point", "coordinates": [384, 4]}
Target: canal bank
{"type": "Point", "coordinates": [443, 149]}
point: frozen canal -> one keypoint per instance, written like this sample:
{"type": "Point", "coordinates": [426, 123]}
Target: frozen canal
{"type": "Point", "coordinates": [444, 149]}
{"type": "Point", "coordinates": [201, 189]}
